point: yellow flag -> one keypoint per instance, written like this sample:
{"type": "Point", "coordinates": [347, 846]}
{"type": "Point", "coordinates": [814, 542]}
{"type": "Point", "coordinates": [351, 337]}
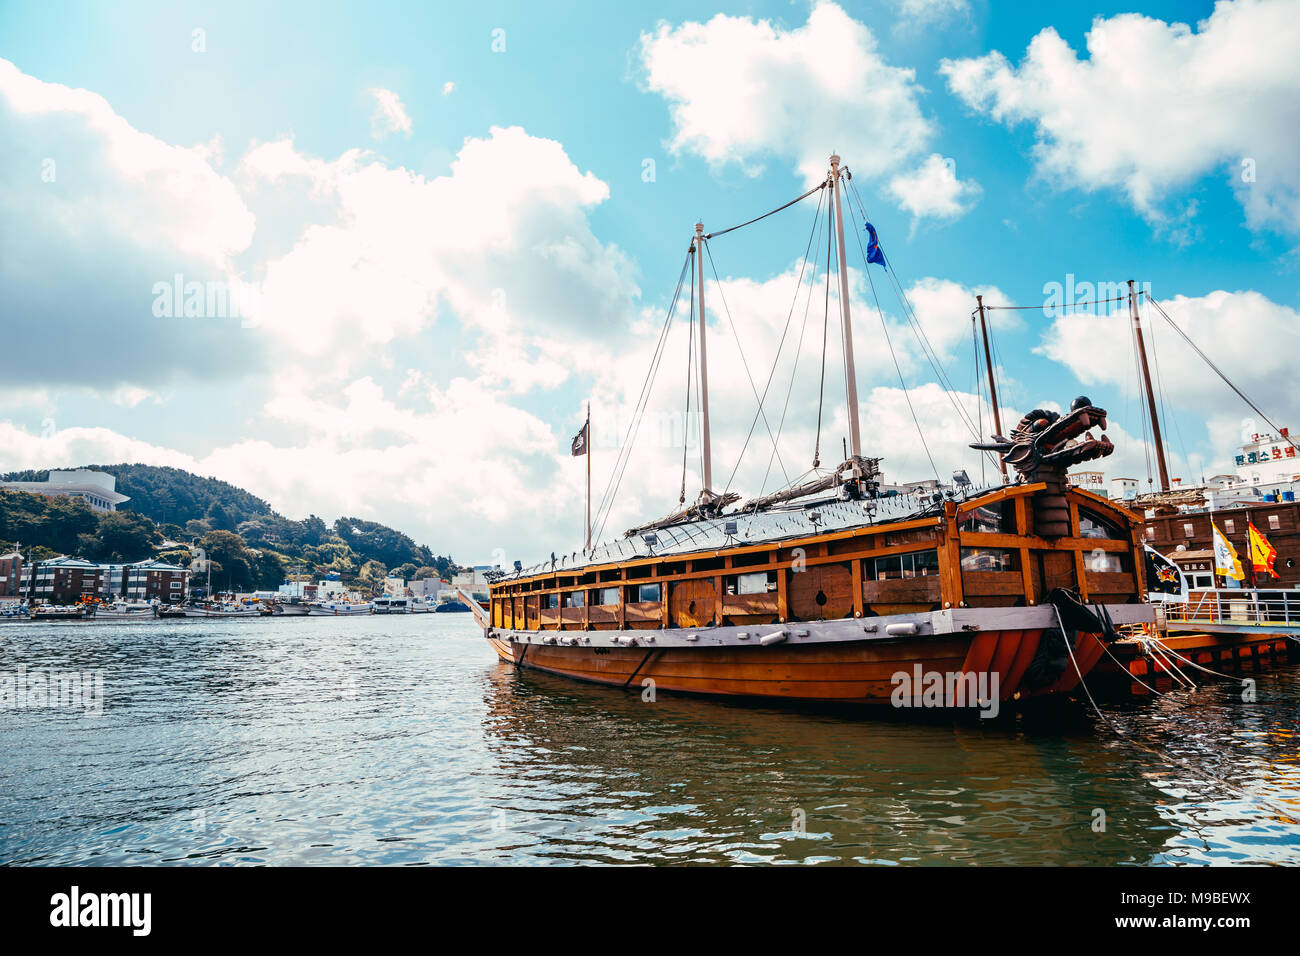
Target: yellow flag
{"type": "Point", "coordinates": [1226, 561]}
{"type": "Point", "coordinates": [1262, 553]}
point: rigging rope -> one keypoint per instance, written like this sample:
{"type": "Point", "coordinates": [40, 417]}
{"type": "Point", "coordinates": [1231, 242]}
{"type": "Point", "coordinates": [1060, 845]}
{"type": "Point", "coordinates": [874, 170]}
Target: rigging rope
{"type": "Point", "coordinates": [814, 243]}
{"type": "Point", "coordinates": [884, 326]}
{"type": "Point", "coordinates": [918, 330]}
{"type": "Point", "coordinates": [1217, 371]}
{"type": "Point", "coordinates": [794, 301]}
{"type": "Point", "coordinates": [745, 363]}
{"type": "Point", "coordinates": [620, 464]}
{"type": "Point", "coordinates": [821, 388]}
{"type": "Point", "coordinates": [723, 232]}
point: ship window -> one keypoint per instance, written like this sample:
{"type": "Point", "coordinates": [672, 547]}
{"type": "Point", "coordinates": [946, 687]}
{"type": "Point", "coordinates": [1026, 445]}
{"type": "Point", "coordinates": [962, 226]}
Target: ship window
{"type": "Point", "coordinates": [550, 600]}
{"type": "Point", "coordinates": [751, 583]}
{"type": "Point", "coordinates": [1273, 523]}
{"type": "Point", "coordinates": [1103, 561]}
{"type": "Point", "coordinates": [1229, 526]}
{"type": "Point", "coordinates": [914, 564]}
{"type": "Point", "coordinates": [648, 592]}
{"type": "Point", "coordinates": [1095, 526]}
{"type": "Point", "coordinates": [1151, 533]}
{"type": "Point", "coordinates": [575, 599]}
{"type": "Point", "coordinates": [1187, 530]}
{"type": "Point", "coordinates": [990, 519]}
{"type": "Point", "coordinates": [989, 559]}
{"type": "Point", "coordinates": [606, 596]}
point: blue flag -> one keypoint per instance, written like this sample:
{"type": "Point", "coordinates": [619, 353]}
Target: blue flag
{"type": "Point", "coordinates": [873, 246]}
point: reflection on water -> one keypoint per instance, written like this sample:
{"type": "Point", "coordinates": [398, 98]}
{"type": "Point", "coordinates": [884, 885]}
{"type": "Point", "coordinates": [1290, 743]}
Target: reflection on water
{"type": "Point", "coordinates": [400, 740]}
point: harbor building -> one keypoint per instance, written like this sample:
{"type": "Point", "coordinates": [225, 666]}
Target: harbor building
{"type": "Point", "coordinates": [97, 488]}
{"type": "Point", "coordinates": [157, 580]}
{"type": "Point", "coordinates": [11, 568]}
{"type": "Point", "coordinates": [63, 580]}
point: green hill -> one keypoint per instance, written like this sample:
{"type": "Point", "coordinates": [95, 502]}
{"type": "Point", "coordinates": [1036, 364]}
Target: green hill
{"type": "Point", "coordinates": [253, 544]}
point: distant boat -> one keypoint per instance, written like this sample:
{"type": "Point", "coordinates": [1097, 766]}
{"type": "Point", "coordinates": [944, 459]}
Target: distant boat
{"type": "Point", "coordinates": [338, 608]}
{"type": "Point", "coordinates": [56, 612]}
{"type": "Point", "coordinates": [125, 611]}
{"type": "Point", "coordinates": [13, 611]}
{"type": "Point", "coordinates": [392, 605]}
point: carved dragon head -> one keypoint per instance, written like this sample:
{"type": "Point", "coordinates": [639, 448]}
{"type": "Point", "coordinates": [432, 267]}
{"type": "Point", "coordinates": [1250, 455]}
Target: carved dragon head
{"type": "Point", "coordinates": [1046, 444]}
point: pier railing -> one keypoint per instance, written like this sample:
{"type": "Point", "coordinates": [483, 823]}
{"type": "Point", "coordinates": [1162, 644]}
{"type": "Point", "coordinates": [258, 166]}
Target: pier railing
{"type": "Point", "coordinates": [1234, 606]}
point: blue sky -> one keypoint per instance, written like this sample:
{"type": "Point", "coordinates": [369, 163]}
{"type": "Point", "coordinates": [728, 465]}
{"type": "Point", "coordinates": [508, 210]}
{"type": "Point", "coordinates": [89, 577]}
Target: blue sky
{"type": "Point", "coordinates": [1119, 160]}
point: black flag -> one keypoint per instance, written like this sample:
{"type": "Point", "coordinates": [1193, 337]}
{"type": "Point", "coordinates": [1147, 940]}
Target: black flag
{"type": "Point", "coordinates": [579, 446]}
{"type": "Point", "coordinates": [1163, 576]}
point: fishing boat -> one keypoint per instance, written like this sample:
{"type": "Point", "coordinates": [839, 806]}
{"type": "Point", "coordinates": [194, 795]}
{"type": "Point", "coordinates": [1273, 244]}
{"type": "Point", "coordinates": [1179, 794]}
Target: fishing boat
{"type": "Point", "coordinates": [392, 605]}
{"type": "Point", "coordinates": [829, 590]}
{"type": "Point", "coordinates": [338, 608]}
{"type": "Point", "coordinates": [62, 612]}
{"type": "Point", "coordinates": [224, 609]}
{"type": "Point", "coordinates": [13, 611]}
{"type": "Point", "coordinates": [125, 611]}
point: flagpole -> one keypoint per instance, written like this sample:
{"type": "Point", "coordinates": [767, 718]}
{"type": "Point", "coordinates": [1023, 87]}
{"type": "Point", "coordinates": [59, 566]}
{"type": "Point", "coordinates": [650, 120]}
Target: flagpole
{"type": "Point", "coordinates": [587, 428]}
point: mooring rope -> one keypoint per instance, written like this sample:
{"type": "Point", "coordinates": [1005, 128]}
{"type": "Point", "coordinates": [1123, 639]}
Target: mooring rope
{"type": "Point", "coordinates": [1244, 794]}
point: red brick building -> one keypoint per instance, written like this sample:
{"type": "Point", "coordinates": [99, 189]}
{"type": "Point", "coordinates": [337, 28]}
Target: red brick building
{"type": "Point", "coordinates": [63, 580]}
{"type": "Point", "coordinates": [168, 583]}
{"type": "Point", "coordinates": [1278, 521]}
{"type": "Point", "coordinates": [11, 569]}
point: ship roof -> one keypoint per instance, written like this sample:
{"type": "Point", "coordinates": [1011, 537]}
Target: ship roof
{"type": "Point", "coordinates": [774, 524]}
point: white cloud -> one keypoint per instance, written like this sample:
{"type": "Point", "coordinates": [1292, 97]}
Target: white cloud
{"type": "Point", "coordinates": [924, 12]}
{"type": "Point", "coordinates": [933, 190]}
{"type": "Point", "coordinates": [448, 88]}
{"type": "Point", "coordinates": [503, 240]}
{"type": "Point", "coordinates": [97, 213]}
{"type": "Point", "coordinates": [390, 115]}
{"type": "Point", "coordinates": [1156, 106]}
{"type": "Point", "coordinates": [747, 91]}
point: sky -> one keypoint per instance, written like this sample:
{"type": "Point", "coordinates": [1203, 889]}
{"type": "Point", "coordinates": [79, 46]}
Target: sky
{"type": "Point", "coordinates": [377, 259]}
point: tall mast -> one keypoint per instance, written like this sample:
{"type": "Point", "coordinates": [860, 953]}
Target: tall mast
{"type": "Point", "coordinates": [993, 388]}
{"type": "Point", "coordinates": [850, 376]}
{"type": "Point", "coordinates": [704, 363]}
{"type": "Point", "coordinates": [587, 449]}
{"type": "Point", "coordinates": [1146, 382]}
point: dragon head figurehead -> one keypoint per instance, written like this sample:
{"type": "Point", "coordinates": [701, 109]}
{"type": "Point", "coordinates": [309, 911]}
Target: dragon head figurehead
{"type": "Point", "coordinates": [1044, 446]}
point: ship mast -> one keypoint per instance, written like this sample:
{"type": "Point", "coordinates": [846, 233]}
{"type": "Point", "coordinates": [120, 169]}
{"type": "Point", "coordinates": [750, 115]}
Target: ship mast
{"type": "Point", "coordinates": [993, 388]}
{"type": "Point", "coordinates": [850, 376]}
{"type": "Point", "coordinates": [1146, 382]}
{"type": "Point", "coordinates": [704, 367]}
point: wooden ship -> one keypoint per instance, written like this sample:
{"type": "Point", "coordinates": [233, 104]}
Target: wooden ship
{"type": "Point", "coordinates": [829, 590]}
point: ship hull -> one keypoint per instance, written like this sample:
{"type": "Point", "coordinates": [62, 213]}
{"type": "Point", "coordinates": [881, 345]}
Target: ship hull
{"type": "Point", "coordinates": [836, 662]}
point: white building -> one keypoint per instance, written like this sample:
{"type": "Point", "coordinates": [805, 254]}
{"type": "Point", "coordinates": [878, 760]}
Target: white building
{"type": "Point", "coordinates": [428, 587]}
{"type": "Point", "coordinates": [98, 489]}
{"type": "Point", "coordinates": [1268, 459]}
{"type": "Point", "coordinates": [473, 582]}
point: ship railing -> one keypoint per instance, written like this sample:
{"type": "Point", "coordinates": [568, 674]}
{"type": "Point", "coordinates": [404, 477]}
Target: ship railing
{"type": "Point", "coordinates": [1237, 606]}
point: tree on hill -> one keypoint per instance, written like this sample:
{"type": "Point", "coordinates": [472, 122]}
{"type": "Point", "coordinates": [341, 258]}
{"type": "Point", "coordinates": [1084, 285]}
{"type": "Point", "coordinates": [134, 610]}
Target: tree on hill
{"type": "Point", "coordinates": [372, 576]}
{"type": "Point", "coordinates": [122, 536]}
{"type": "Point", "coordinates": [237, 562]}
{"type": "Point", "coordinates": [56, 523]}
